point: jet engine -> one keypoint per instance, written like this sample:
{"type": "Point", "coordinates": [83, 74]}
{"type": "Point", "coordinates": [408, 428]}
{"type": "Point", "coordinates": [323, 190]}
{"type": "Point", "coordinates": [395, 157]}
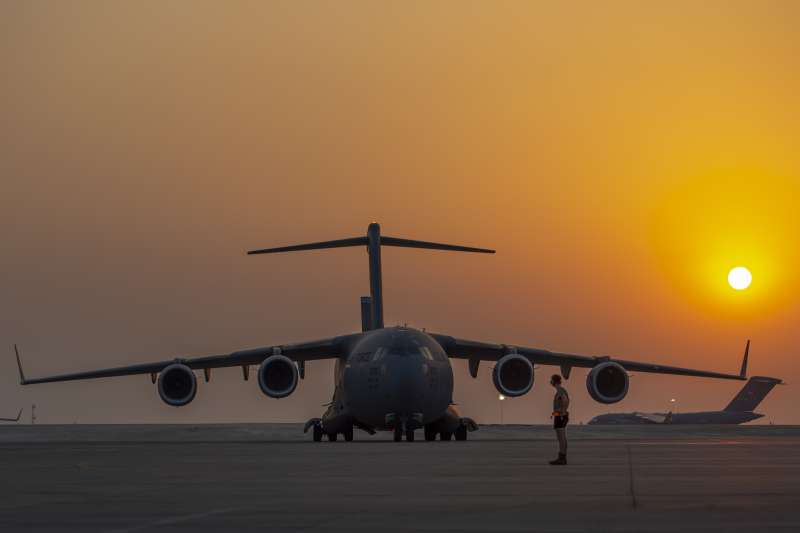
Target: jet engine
{"type": "Point", "coordinates": [277, 376]}
{"type": "Point", "coordinates": [607, 382]}
{"type": "Point", "coordinates": [513, 375]}
{"type": "Point", "coordinates": [177, 385]}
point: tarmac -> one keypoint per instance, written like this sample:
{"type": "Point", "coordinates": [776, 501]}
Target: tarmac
{"type": "Point", "coordinates": [271, 477]}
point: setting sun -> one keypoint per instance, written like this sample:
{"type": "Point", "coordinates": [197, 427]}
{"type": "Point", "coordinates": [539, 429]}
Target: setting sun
{"type": "Point", "coordinates": [739, 278]}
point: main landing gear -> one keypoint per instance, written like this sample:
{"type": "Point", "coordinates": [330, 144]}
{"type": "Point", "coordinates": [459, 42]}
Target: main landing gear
{"type": "Point", "coordinates": [318, 432]}
{"type": "Point", "coordinates": [400, 430]}
{"type": "Point", "coordinates": [431, 432]}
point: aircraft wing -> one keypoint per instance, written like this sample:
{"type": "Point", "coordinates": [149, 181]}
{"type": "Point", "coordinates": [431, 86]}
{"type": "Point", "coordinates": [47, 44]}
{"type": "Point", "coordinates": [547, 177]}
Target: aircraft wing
{"type": "Point", "coordinates": [330, 348]}
{"type": "Point", "coordinates": [484, 351]}
{"type": "Point", "coordinates": [655, 418]}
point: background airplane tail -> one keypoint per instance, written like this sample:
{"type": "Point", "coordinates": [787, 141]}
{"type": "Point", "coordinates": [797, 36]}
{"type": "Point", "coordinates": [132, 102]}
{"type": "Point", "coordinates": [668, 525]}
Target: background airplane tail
{"type": "Point", "coordinates": [753, 392]}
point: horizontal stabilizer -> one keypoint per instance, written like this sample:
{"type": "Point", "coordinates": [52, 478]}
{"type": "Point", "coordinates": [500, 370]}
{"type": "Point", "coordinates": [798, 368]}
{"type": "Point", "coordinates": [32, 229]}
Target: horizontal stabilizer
{"type": "Point", "coordinates": [341, 243]}
{"type": "Point", "coordinates": [363, 241]}
{"type": "Point", "coordinates": [408, 243]}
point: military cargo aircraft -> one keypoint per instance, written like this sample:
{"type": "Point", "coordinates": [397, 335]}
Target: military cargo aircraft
{"type": "Point", "coordinates": [397, 379]}
{"type": "Point", "coordinates": [739, 411]}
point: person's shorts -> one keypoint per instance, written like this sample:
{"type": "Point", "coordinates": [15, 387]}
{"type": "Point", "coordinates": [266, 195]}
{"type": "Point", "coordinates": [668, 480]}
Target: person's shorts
{"type": "Point", "coordinates": [560, 422]}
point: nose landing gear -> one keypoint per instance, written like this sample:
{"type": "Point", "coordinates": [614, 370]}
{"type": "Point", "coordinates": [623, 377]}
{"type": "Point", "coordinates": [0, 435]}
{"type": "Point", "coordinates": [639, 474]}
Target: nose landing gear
{"type": "Point", "coordinates": [398, 434]}
{"type": "Point", "coordinates": [403, 424]}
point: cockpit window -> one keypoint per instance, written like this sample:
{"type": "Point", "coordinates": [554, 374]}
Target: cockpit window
{"type": "Point", "coordinates": [378, 355]}
{"type": "Point", "coordinates": [426, 353]}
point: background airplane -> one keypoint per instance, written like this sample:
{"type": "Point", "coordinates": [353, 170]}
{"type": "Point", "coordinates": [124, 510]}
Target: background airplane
{"type": "Point", "coordinates": [738, 411]}
{"type": "Point", "coordinates": [398, 379]}
{"type": "Point", "coordinates": [12, 419]}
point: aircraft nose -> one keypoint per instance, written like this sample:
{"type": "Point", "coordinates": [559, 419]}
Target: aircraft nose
{"type": "Point", "coordinates": [409, 384]}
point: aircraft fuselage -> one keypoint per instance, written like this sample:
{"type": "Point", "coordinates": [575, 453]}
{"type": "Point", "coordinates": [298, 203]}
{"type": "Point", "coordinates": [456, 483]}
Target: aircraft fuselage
{"type": "Point", "coordinates": [391, 374]}
{"type": "Point", "coordinates": [706, 417]}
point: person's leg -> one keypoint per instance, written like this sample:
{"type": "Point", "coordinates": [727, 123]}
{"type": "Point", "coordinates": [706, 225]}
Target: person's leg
{"type": "Point", "coordinates": [561, 436]}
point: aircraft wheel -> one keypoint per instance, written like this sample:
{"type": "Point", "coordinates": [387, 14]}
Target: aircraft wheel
{"type": "Point", "coordinates": [445, 435]}
{"type": "Point", "coordinates": [461, 433]}
{"type": "Point", "coordinates": [332, 437]}
{"type": "Point", "coordinates": [429, 434]}
{"type": "Point", "coordinates": [317, 433]}
{"type": "Point", "coordinates": [348, 434]}
{"type": "Point", "coordinates": [409, 435]}
{"type": "Point", "coordinates": [398, 434]}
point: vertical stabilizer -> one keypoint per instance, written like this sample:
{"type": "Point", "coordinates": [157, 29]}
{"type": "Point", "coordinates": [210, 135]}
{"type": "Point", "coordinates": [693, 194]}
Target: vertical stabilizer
{"type": "Point", "coordinates": [753, 392]}
{"type": "Point", "coordinates": [375, 279]}
{"type": "Point", "coordinates": [366, 313]}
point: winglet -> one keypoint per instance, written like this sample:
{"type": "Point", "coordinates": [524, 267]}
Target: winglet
{"type": "Point", "coordinates": [743, 372]}
{"type": "Point", "coordinates": [19, 365]}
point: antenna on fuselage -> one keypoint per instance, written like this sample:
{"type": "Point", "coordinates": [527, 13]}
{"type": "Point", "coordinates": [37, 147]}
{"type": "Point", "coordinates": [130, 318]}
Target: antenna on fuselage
{"type": "Point", "coordinates": [373, 241]}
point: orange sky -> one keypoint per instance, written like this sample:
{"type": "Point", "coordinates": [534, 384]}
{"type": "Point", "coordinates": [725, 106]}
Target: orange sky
{"type": "Point", "coordinates": [620, 156]}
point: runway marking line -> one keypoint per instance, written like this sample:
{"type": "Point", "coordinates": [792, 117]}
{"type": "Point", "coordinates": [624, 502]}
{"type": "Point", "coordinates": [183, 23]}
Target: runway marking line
{"type": "Point", "coordinates": [170, 521]}
{"type": "Point", "coordinates": [634, 502]}
{"type": "Point", "coordinates": [691, 443]}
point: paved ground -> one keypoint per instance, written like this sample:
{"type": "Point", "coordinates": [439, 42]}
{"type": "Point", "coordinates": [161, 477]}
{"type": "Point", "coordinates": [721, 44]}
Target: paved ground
{"type": "Point", "coordinates": [271, 478]}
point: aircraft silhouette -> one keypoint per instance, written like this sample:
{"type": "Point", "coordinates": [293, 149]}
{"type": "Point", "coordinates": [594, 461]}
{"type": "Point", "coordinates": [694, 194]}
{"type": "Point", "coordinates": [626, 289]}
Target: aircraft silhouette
{"type": "Point", "coordinates": [740, 410]}
{"type": "Point", "coordinates": [387, 378]}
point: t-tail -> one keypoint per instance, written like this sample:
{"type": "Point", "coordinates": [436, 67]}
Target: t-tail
{"type": "Point", "coordinates": [754, 391]}
{"type": "Point", "coordinates": [372, 311]}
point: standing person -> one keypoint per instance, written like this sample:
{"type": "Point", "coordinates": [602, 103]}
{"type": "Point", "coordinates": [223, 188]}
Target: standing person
{"type": "Point", "coordinates": [560, 419]}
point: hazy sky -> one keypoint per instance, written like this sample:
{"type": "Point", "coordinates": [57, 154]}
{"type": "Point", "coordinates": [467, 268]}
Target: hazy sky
{"type": "Point", "coordinates": [620, 156]}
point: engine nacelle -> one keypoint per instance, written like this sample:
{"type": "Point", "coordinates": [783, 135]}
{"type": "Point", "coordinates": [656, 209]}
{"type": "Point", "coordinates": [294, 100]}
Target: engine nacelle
{"type": "Point", "coordinates": [277, 376]}
{"type": "Point", "coordinates": [513, 375]}
{"type": "Point", "coordinates": [177, 385]}
{"type": "Point", "coordinates": [607, 382]}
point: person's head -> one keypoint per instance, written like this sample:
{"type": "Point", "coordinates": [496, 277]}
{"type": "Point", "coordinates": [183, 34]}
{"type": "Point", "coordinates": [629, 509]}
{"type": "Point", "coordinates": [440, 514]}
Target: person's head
{"type": "Point", "coordinates": [555, 380]}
